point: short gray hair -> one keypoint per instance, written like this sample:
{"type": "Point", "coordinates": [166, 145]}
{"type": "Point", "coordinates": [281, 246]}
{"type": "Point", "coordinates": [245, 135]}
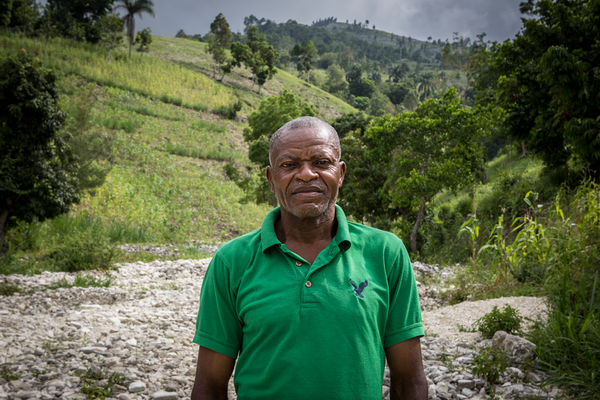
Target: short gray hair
{"type": "Point", "coordinates": [304, 122]}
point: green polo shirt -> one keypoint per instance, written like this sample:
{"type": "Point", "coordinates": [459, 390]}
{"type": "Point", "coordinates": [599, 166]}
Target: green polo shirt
{"type": "Point", "coordinates": [304, 331]}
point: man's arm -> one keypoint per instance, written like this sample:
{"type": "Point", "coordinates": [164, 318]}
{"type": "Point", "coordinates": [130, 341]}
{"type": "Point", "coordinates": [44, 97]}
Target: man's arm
{"type": "Point", "coordinates": [212, 375]}
{"type": "Point", "coordinates": [406, 370]}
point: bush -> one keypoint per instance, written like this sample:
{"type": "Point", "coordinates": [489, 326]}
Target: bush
{"type": "Point", "coordinates": [82, 252]}
{"type": "Point", "coordinates": [490, 364]}
{"type": "Point", "coordinates": [230, 111]}
{"type": "Point", "coordinates": [507, 320]}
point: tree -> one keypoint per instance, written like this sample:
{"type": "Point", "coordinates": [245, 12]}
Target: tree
{"type": "Point", "coordinates": [425, 151]}
{"type": "Point", "coordinates": [134, 7]}
{"type": "Point", "coordinates": [306, 55]}
{"type": "Point", "coordinates": [23, 15]}
{"type": "Point", "coordinates": [397, 92]}
{"type": "Point", "coordinates": [548, 83]}
{"type": "Point", "coordinates": [85, 13]}
{"type": "Point", "coordinates": [426, 83]}
{"type": "Point", "coordinates": [48, 25]}
{"type": "Point", "coordinates": [76, 31]}
{"type": "Point", "coordinates": [143, 39]}
{"type": "Point", "coordinates": [364, 173]}
{"type": "Point", "coordinates": [271, 115]}
{"type": "Point", "coordinates": [219, 40]}
{"type": "Point", "coordinates": [260, 57]}
{"type": "Point", "coordinates": [37, 168]}
{"type": "Point", "coordinates": [111, 27]}
{"type": "Point", "coordinates": [336, 81]}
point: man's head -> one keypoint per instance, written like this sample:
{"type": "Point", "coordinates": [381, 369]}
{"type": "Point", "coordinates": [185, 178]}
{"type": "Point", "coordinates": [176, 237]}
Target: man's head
{"type": "Point", "coordinates": [305, 172]}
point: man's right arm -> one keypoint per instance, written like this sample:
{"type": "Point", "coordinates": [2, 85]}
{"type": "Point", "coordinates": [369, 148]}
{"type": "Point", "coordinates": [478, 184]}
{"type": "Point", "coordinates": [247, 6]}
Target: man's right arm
{"type": "Point", "coordinates": [212, 375]}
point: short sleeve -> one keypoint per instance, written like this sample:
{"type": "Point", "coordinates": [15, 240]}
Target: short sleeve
{"type": "Point", "coordinates": [218, 327]}
{"type": "Point", "coordinates": [404, 315]}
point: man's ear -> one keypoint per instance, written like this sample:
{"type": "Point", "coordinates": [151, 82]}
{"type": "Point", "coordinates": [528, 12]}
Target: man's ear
{"type": "Point", "coordinates": [269, 173]}
{"type": "Point", "coordinates": [342, 173]}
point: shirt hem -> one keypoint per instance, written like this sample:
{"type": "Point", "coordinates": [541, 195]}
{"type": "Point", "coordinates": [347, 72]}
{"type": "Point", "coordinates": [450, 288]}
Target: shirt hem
{"type": "Point", "coordinates": [215, 345]}
{"type": "Point", "coordinates": [415, 330]}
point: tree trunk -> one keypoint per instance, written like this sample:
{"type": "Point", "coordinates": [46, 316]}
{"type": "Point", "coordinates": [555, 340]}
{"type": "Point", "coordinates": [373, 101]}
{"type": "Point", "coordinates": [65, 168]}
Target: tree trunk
{"type": "Point", "coordinates": [130, 44]}
{"type": "Point", "coordinates": [223, 77]}
{"type": "Point", "coordinates": [524, 148]}
{"type": "Point", "coordinates": [413, 233]}
{"type": "Point", "coordinates": [253, 81]}
{"type": "Point", "coordinates": [466, 90]}
{"type": "Point", "coordinates": [10, 203]}
{"type": "Point", "coordinates": [308, 75]}
{"type": "Point", "coordinates": [23, 37]}
{"type": "Point", "coordinates": [141, 55]}
{"type": "Point", "coordinates": [3, 218]}
{"type": "Point", "coordinates": [259, 87]}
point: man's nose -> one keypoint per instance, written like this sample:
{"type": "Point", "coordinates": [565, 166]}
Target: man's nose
{"type": "Point", "coordinates": [306, 172]}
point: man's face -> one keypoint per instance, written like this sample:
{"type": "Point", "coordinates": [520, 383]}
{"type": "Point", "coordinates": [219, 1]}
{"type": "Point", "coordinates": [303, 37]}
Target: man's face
{"type": "Point", "coordinates": [306, 173]}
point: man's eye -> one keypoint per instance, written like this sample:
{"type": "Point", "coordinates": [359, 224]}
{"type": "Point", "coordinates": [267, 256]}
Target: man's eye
{"type": "Point", "coordinates": [286, 165]}
{"type": "Point", "coordinates": [323, 162]}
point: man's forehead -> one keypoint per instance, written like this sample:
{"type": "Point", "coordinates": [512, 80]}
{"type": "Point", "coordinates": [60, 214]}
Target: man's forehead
{"type": "Point", "coordinates": [307, 133]}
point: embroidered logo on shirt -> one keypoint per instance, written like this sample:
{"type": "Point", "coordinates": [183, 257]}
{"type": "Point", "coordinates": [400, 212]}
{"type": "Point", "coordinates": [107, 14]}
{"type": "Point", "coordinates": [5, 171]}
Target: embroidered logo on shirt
{"type": "Point", "coordinates": [358, 290]}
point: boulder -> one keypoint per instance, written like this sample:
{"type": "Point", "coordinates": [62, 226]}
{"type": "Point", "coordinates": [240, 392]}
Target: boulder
{"type": "Point", "coordinates": [517, 348]}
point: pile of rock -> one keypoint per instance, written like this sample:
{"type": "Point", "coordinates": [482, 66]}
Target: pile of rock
{"type": "Point", "coordinates": [61, 344]}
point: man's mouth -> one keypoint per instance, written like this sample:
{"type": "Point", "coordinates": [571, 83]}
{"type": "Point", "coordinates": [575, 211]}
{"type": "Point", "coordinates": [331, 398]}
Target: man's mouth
{"type": "Point", "coordinates": [307, 191]}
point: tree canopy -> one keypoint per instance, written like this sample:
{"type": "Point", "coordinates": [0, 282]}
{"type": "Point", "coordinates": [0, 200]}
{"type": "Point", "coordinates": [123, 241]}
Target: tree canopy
{"type": "Point", "coordinates": [547, 81]}
{"type": "Point", "coordinates": [133, 8]}
{"type": "Point", "coordinates": [38, 172]}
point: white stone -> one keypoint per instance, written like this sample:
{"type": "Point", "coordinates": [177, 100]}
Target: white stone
{"type": "Point", "coordinates": [162, 395]}
{"type": "Point", "coordinates": [136, 387]}
{"type": "Point", "coordinates": [131, 342]}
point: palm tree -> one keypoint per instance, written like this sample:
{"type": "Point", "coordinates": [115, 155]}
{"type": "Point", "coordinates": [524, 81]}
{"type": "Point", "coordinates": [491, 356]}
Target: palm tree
{"type": "Point", "coordinates": [134, 7]}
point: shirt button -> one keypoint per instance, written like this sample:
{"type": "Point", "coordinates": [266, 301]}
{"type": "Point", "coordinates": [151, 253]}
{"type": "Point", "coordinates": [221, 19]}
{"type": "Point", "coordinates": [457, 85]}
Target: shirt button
{"type": "Point", "coordinates": [298, 264]}
{"type": "Point", "coordinates": [308, 284]}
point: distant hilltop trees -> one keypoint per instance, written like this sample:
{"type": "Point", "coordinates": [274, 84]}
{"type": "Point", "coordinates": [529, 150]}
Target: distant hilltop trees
{"type": "Point", "coordinates": [324, 22]}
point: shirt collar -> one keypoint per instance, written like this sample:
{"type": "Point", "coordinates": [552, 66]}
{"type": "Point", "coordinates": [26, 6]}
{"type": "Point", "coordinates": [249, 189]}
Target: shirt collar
{"type": "Point", "coordinates": [269, 238]}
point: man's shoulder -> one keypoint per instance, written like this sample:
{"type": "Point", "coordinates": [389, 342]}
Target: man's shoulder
{"type": "Point", "coordinates": [240, 248]}
{"type": "Point", "coordinates": [373, 236]}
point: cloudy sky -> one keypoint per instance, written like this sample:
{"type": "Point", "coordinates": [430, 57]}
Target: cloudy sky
{"type": "Point", "coordinates": [500, 19]}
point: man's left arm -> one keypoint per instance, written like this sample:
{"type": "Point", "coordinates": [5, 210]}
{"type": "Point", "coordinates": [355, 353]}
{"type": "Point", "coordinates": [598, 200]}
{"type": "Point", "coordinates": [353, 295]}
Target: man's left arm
{"type": "Point", "coordinates": [406, 370]}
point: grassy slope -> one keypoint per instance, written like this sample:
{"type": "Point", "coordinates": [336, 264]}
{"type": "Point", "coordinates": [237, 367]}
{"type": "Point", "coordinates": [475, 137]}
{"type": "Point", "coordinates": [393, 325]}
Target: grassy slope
{"type": "Point", "coordinates": [152, 193]}
{"type": "Point", "coordinates": [191, 55]}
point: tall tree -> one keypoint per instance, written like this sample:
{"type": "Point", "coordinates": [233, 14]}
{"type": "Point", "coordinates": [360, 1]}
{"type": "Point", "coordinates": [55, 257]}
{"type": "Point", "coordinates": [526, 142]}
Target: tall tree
{"type": "Point", "coordinates": [306, 55]}
{"type": "Point", "coordinates": [111, 28]}
{"type": "Point", "coordinates": [425, 151]}
{"type": "Point", "coordinates": [143, 39]}
{"type": "Point", "coordinates": [134, 7]}
{"type": "Point", "coordinates": [260, 58]}
{"type": "Point", "coordinates": [548, 83]}
{"type": "Point", "coordinates": [37, 168]}
{"type": "Point", "coordinates": [219, 40]}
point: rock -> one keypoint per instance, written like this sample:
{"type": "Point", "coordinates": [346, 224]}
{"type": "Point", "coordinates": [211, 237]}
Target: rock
{"type": "Point", "coordinates": [137, 386]}
{"type": "Point", "coordinates": [517, 348]}
{"type": "Point", "coordinates": [21, 394]}
{"type": "Point", "coordinates": [465, 384]}
{"type": "Point", "coordinates": [163, 395]}
{"type": "Point", "coordinates": [124, 396]}
{"type": "Point", "coordinates": [443, 391]}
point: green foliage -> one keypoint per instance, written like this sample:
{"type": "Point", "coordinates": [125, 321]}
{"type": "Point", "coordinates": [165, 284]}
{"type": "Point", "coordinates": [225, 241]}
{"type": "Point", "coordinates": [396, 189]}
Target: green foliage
{"type": "Point", "coordinates": [143, 39]}
{"type": "Point", "coordinates": [83, 252]}
{"type": "Point", "coordinates": [81, 280]}
{"type": "Point", "coordinates": [98, 384]}
{"type": "Point", "coordinates": [306, 56]}
{"type": "Point", "coordinates": [133, 8]}
{"type": "Point", "coordinates": [230, 111]}
{"type": "Point", "coordinates": [429, 150]}
{"type": "Point", "coordinates": [111, 28]}
{"type": "Point", "coordinates": [490, 365]}
{"type": "Point", "coordinates": [219, 40]}
{"type": "Point", "coordinates": [37, 168]}
{"type": "Point", "coordinates": [9, 375]}
{"type": "Point", "coordinates": [6, 289]}
{"type": "Point", "coordinates": [545, 83]}
{"type": "Point", "coordinates": [507, 320]}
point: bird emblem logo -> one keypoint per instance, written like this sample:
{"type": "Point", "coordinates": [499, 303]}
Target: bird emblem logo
{"type": "Point", "coordinates": [359, 289]}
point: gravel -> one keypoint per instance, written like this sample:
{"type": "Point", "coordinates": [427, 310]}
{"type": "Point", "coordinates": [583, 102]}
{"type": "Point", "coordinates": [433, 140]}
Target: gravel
{"type": "Point", "coordinates": [142, 327]}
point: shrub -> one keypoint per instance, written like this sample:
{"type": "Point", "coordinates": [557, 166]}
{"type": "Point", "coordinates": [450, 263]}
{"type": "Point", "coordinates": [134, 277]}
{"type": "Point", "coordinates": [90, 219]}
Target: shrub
{"type": "Point", "coordinates": [507, 320]}
{"type": "Point", "coordinates": [230, 111]}
{"type": "Point", "coordinates": [82, 252]}
{"type": "Point", "coordinates": [490, 364]}
{"type": "Point", "coordinates": [6, 289]}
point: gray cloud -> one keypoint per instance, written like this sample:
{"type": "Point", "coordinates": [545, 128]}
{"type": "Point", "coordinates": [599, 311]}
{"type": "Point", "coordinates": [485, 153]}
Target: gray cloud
{"type": "Point", "coordinates": [500, 19]}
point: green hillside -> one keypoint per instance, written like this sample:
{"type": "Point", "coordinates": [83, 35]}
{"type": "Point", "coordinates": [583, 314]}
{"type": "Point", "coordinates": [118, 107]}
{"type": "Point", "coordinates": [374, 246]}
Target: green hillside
{"type": "Point", "coordinates": [167, 149]}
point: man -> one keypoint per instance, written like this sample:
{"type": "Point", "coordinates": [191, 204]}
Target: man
{"type": "Point", "coordinates": [310, 304]}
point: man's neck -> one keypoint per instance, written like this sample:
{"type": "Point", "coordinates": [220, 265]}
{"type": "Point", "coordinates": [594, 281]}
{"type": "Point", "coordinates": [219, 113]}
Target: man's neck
{"type": "Point", "coordinates": [306, 237]}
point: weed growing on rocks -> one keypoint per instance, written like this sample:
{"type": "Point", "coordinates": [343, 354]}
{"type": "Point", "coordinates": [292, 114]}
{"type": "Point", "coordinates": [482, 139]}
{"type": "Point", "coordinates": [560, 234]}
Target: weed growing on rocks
{"type": "Point", "coordinates": [507, 320]}
{"type": "Point", "coordinates": [6, 289]}
{"type": "Point", "coordinates": [490, 364]}
{"type": "Point", "coordinates": [83, 252]}
{"type": "Point", "coordinates": [98, 384]}
{"type": "Point", "coordinates": [9, 375]}
{"type": "Point", "coordinates": [83, 281]}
